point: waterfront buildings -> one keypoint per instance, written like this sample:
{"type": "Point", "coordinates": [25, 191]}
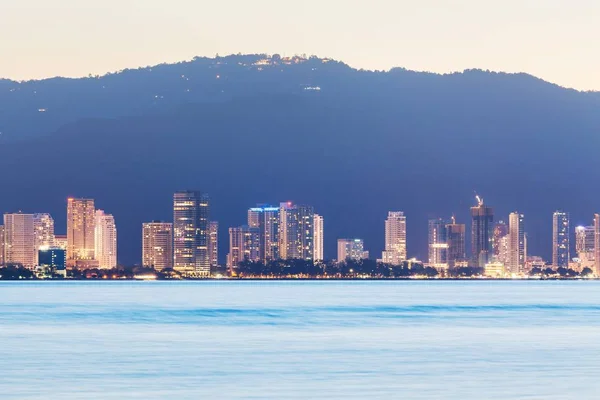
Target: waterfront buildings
{"type": "Point", "coordinates": [244, 245]}
{"type": "Point", "coordinates": [191, 212]}
{"type": "Point", "coordinates": [318, 238]}
{"type": "Point", "coordinates": [296, 232]}
{"type": "Point", "coordinates": [495, 269]}
{"type": "Point", "coordinates": [597, 244]}
{"type": "Point", "coordinates": [19, 240]}
{"type": "Point", "coordinates": [213, 244]}
{"type": "Point", "coordinates": [500, 230]}
{"type": "Point", "coordinates": [438, 243]}
{"type": "Point", "coordinates": [105, 238]}
{"type": "Point", "coordinates": [481, 233]}
{"type": "Point", "coordinates": [516, 247]}
{"type": "Point", "coordinates": [560, 240]}
{"type": "Point", "coordinates": [395, 238]}
{"type": "Point", "coordinates": [351, 249]}
{"type": "Point", "coordinates": [585, 239]}
{"type": "Point", "coordinates": [157, 245]}
{"type": "Point", "coordinates": [53, 258]}
{"type": "Point", "coordinates": [456, 243]}
{"type": "Point", "coordinates": [81, 221]}
{"type": "Point", "coordinates": [2, 244]}
{"type": "Point", "coordinates": [267, 219]}
{"type": "Point", "coordinates": [43, 225]}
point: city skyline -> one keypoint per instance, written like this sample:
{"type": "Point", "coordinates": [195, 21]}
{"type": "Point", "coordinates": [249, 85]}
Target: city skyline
{"type": "Point", "coordinates": [506, 243]}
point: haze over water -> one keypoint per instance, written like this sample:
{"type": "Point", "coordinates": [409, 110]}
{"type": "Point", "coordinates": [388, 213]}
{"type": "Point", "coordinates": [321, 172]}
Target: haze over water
{"type": "Point", "coordinates": [192, 340]}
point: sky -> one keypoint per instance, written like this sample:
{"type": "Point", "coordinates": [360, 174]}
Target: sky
{"type": "Point", "coordinates": [556, 40]}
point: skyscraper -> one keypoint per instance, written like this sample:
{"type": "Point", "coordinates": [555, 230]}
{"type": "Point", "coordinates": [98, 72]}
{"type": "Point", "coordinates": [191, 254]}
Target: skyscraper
{"type": "Point", "coordinates": [2, 245]}
{"type": "Point", "coordinates": [267, 219]}
{"type": "Point", "coordinates": [351, 249]}
{"type": "Point", "coordinates": [270, 233]}
{"type": "Point", "coordinates": [395, 238]}
{"type": "Point", "coordinates": [191, 232]}
{"type": "Point", "coordinates": [517, 256]}
{"type": "Point", "coordinates": [481, 233]}
{"type": "Point", "coordinates": [560, 240]}
{"type": "Point", "coordinates": [597, 245]}
{"type": "Point", "coordinates": [19, 240]}
{"type": "Point", "coordinates": [81, 219]}
{"type": "Point", "coordinates": [585, 240]}
{"type": "Point", "coordinates": [500, 230]}
{"type": "Point", "coordinates": [456, 243]}
{"type": "Point", "coordinates": [213, 244]}
{"type": "Point", "coordinates": [318, 238]}
{"type": "Point", "coordinates": [105, 240]}
{"type": "Point", "coordinates": [244, 245]}
{"type": "Point", "coordinates": [43, 225]}
{"type": "Point", "coordinates": [157, 245]}
{"type": "Point", "coordinates": [438, 243]}
{"type": "Point", "coordinates": [296, 232]}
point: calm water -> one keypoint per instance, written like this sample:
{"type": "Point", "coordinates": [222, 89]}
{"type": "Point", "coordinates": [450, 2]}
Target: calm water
{"type": "Point", "coordinates": [406, 340]}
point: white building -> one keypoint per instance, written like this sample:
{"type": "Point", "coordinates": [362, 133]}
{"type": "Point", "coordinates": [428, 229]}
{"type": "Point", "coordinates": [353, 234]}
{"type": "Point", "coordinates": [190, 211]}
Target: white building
{"type": "Point", "coordinates": [318, 238]}
{"type": "Point", "coordinates": [351, 249]}
{"type": "Point", "coordinates": [105, 240]}
{"type": "Point", "coordinates": [516, 245]}
{"type": "Point", "coordinates": [81, 219]}
{"type": "Point", "coordinates": [43, 225]}
{"type": "Point", "coordinates": [19, 240]}
{"type": "Point", "coordinates": [157, 245]}
{"type": "Point", "coordinates": [597, 244]}
{"type": "Point", "coordinates": [395, 238]}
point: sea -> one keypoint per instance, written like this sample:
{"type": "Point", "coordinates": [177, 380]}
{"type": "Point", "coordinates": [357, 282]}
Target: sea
{"type": "Point", "coordinates": [300, 340]}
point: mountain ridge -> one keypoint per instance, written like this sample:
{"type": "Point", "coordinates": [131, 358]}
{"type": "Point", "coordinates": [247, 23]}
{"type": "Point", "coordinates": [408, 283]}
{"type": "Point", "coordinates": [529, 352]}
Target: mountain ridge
{"type": "Point", "coordinates": [354, 144]}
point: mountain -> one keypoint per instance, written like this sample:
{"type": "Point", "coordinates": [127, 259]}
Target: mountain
{"type": "Point", "coordinates": [254, 129]}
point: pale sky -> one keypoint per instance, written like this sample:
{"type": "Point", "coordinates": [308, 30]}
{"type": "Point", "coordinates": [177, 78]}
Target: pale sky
{"type": "Point", "coordinates": [556, 40]}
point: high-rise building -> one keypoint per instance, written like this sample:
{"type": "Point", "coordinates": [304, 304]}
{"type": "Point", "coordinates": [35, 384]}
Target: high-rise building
{"type": "Point", "coordinates": [81, 220]}
{"type": "Point", "coordinates": [500, 230]}
{"type": "Point", "coordinates": [296, 232]}
{"type": "Point", "coordinates": [255, 216]}
{"type": "Point", "coordinates": [244, 245]}
{"type": "Point", "coordinates": [43, 225]}
{"type": "Point", "coordinates": [481, 233]}
{"type": "Point", "coordinates": [213, 244]}
{"type": "Point", "coordinates": [517, 256]}
{"type": "Point", "coordinates": [270, 222]}
{"type": "Point", "coordinates": [395, 238]}
{"type": "Point", "coordinates": [585, 239]}
{"type": "Point", "coordinates": [318, 238]}
{"type": "Point", "coordinates": [457, 252]}
{"type": "Point", "coordinates": [438, 243]}
{"type": "Point", "coordinates": [44, 230]}
{"type": "Point", "coordinates": [560, 240]}
{"type": "Point", "coordinates": [19, 240]}
{"type": "Point", "coordinates": [597, 244]}
{"type": "Point", "coordinates": [157, 245]}
{"type": "Point", "coordinates": [503, 250]}
{"type": "Point", "coordinates": [351, 249]}
{"type": "Point", "coordinates": [191, 212]}
{"type": "Point", "coordinates": [1, 245]}
{"type": "Point", "coordinates": [105, 240]}
{"type": "Point", "coordinates": [267, 219]}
